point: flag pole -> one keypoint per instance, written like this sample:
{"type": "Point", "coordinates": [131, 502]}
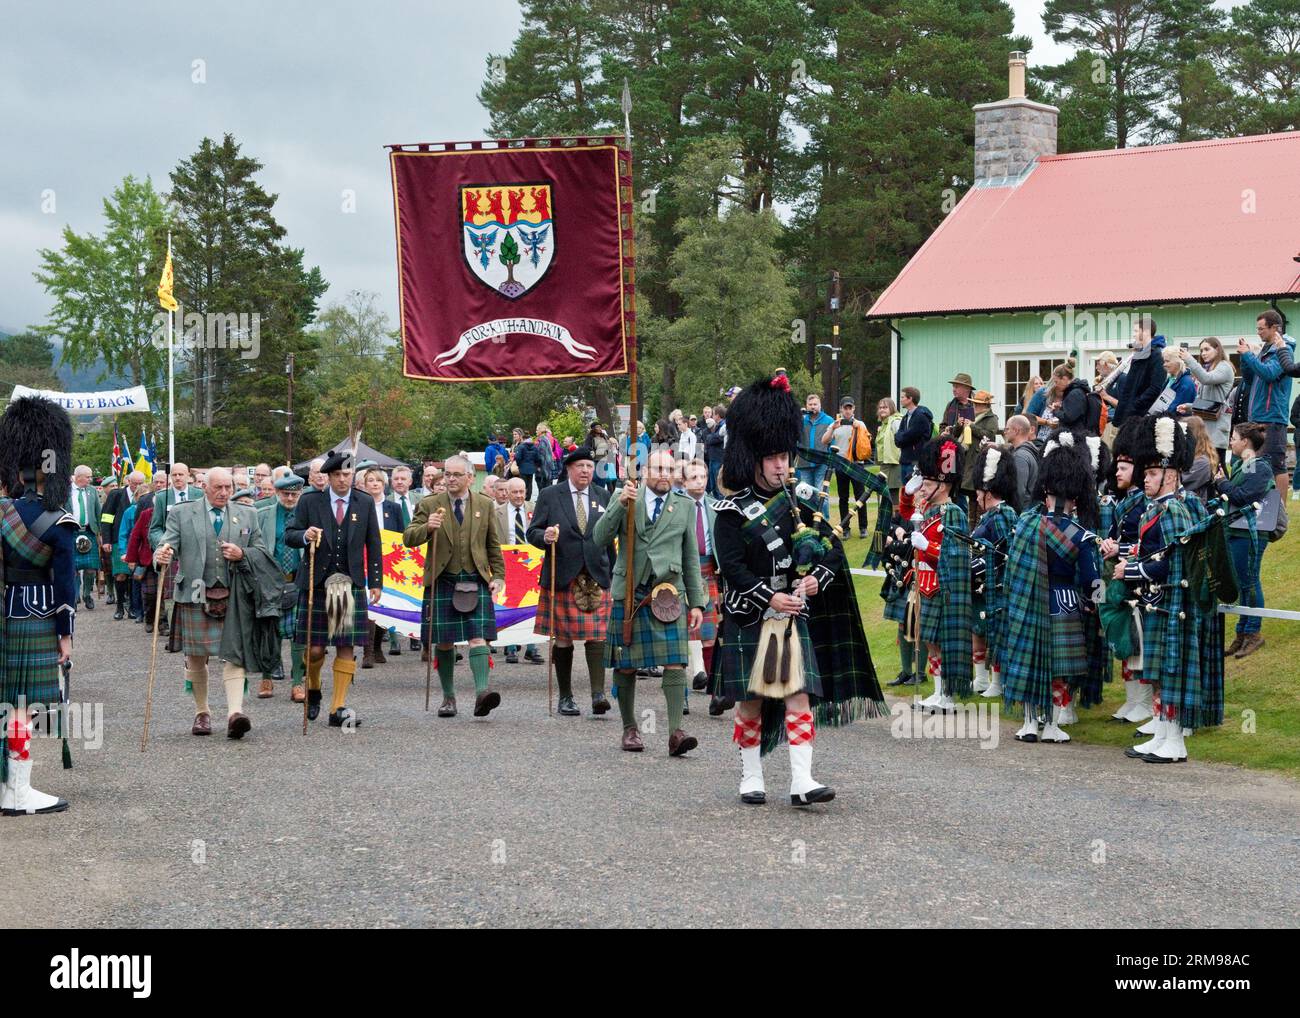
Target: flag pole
{"type": "Point", "coordinates": [171, 391]}
{"type": "Point", "coordinates": [634, 410]}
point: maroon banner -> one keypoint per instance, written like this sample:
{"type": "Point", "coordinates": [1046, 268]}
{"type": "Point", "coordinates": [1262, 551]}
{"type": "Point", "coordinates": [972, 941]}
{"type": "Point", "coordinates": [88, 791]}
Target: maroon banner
{"type": "Point", "coordinates": [510, 261]}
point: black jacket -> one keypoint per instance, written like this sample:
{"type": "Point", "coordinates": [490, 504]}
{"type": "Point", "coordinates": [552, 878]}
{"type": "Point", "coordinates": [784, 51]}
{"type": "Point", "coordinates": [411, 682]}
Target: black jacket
{"type": "Point", "coordinates": [1073, 415]}
{"type": "Point", "coordinates": [1142, 384]}
{"type": "Point", "coordinates": [119, 499]}
{"type": "Point", "coordinates": [914, 430]}
{"type": "Point", "coordinates": [360, 548]}
{"type": "Point", "coordinates": [555, 507]}
{"type": "Point", "coordinates": [714, 445]}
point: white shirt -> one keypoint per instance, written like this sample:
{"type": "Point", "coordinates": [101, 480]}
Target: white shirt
{"type": "Point", "coordinates": [650, 497]}
{"type": "Point", "coordinates": [686, 445]}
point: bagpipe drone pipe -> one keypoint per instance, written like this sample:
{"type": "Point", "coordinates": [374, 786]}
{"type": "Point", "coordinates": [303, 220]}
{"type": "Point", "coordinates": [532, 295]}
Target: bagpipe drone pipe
{"type": "Point", "coordinates": [871, 482]}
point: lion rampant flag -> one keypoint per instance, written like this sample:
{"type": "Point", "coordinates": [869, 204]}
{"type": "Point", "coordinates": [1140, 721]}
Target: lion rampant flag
{"type": "Point", "coordinates": [165, 297]}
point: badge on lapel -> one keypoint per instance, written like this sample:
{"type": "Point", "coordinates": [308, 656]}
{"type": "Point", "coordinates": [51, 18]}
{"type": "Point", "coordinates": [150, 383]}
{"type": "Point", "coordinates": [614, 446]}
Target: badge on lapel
{"type": "Point", "coordinates": [354, 517]}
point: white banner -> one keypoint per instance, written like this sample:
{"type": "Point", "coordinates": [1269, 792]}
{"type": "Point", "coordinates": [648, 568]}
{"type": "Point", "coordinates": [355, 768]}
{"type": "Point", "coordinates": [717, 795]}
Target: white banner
{"type": "Point", "coordinates": [114, 401]}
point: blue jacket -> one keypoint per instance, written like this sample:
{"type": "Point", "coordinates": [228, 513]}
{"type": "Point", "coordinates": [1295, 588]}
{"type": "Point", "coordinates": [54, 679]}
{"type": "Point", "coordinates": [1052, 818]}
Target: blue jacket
{"type": "Point", "coordinates": [492, 453]}
{"type": "Point", "coordinates": [1269, 385]}
{"type": "Point", "coordinates": [810, 424]}
{"type": "Point", "coordinates": [914, 430]}
{"type": "Point", "coordinates": [1184, 392]}
{"type": "Point", "coordinates": [1142, 384]}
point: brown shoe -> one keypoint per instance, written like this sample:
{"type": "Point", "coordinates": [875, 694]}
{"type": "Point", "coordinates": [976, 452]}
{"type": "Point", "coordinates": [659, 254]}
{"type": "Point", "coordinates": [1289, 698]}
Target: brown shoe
{"type": "Point", "coordinates": [202, 725]}
{"type": "Point", "coordinates": [448, 708]}
{"type": "Point", "coordinates": [1232, 648]}
{"type": "Point", "coordinates": [237, 726]}
{"type": "Point", "coordinates": [1249, 645]}
{"type": "Point", "coordinates": [485, 704]}
{"type": "Point", "coordinates": [679, 743]}
{"type": "Point", "coordinates": [632, 740]}
{"type": "Point", "coordinates": [368, 658]}
{"type": "Point", "coordinates": [298, 694]}
{"type": "Point", "coordinates": [266, 690]}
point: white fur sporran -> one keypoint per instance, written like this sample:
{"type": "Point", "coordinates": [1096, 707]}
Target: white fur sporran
{"type": "Point", "coordinates": [338, 605]}
{"type": "Point", "coordinates": [778, 665]}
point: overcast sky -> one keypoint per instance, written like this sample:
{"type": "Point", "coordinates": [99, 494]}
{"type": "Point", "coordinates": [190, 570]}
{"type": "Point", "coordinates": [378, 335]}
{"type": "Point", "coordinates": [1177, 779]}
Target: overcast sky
{"type": "Point", "coordinates": [92, 91]}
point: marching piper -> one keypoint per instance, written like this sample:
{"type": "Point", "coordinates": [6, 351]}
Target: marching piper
{"type": "Point", "coordinates": [993, 478]}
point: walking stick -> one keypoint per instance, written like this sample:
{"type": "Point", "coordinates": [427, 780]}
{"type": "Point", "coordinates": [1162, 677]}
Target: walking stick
{"type": "Point", "coordinates": [153, 663]}
{"type": "Point", "coordinates": [306, 653]}
{"type": "Point", "coordinates": [431, 561]}
{"type": "Point", "coordinates": [550, 664]}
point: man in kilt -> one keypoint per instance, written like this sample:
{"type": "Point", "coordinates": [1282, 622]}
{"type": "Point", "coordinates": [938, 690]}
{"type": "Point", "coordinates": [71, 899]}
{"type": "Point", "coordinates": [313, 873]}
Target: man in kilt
{"type": "Point", "coordinates": [993, 478]}
{"type": "Point", "coordinates": [461, 580]}
{"type": "Point", "coordinates": [780, 562]}
{"type": "Point", "coordinates": [943, 574]}
{"type": "Point", "coordinates": [1170, 631]}
{"type": "Point", "coordinates": [40, 589]}
{"type": "Point", "coordinates": [665, 574]}
{"type": "Point", "coordinates": [1121, 515]}
{"type": "Point", "coordinates": [695, 482]}
{"type": "Point", "coordinates": [179, 489]}
{"type": "Point", "coordinates": [564, 520]}
{"type": "Point", "coordinates": [206, 536]}
{"type": "Point", "coordinates": [896, 589]}
{"type": "Point", "coordinates": [115, 507]}
{"type": "Point", "coordinates": [83, 506]}
{"type": "Point", "coordinates": [274, 519]}
{"type": "Point", "coordinates": [1053, 580]}
{"type": "Point", "coordinates": [341, 524]}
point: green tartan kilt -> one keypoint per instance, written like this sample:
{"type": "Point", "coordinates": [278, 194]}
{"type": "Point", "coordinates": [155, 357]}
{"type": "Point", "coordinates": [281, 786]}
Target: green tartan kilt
{"type": "Point", "coordinates": [896, 605]}
{"type": "Point", "coordinates": [979, 625]}
{"type": "Point", "coordinates": [738, 650]}
{"type": "Point", "coordinates": [1069, 646]}
{"type": "Point", "coordinates": [194, 633]}
{"type": "Point", "coordinates": [932, 617]}
{"type": "Point", "coordinates": [120, 567]}
{"type": "Point", "coordinates": [571, 622]}
{"type": "Point", "coordinates": [451, 626]}
{"type": "Point", "coordinates": [355, 635]}
{"type": "Point", "coordinates": [289, 623]}
{"type": "Point", "coordinates": [654, 644]}
{"type": "Point", "coordinates": [31, 662]}
{"type": "Point", "coordinates": [88, 559]}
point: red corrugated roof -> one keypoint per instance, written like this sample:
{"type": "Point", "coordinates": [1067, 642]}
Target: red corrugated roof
{"type": "Point", "coordinates": [1163, 224]}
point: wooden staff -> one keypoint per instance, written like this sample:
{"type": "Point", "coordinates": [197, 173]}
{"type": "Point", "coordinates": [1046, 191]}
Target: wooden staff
{"type": "Point", "coordinates": [550, 663]}
{"type": "Point", "coordinates": [431, 561]}
{"type": "Point", "coordinates": [306, 654]}
{"type": "Point", "coordinates": [634, 411]}
{"type": "Point", "coordinates": [153, 658]}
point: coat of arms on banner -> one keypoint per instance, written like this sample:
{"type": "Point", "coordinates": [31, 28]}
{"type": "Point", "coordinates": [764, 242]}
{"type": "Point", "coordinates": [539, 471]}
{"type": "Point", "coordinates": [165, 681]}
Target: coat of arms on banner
{"type": "Point", "coordinates": [508, 235]}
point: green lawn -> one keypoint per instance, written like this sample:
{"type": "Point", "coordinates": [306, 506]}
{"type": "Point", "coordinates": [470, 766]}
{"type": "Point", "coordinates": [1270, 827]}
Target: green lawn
{"type": "Point", "coordinates": [1261, 691]}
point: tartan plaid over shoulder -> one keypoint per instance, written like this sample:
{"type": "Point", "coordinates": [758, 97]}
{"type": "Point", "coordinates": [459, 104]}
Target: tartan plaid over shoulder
{"type": "Point", "coordinates": [994, 532]}
{"type": "Point", "coordinates": [955, 597]}
{"type": "Point", "coordinates": [1171, 653]}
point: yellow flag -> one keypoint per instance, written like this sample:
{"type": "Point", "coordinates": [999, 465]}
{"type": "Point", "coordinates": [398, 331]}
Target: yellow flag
{"type": "Point", "coordinates": [165, 297]}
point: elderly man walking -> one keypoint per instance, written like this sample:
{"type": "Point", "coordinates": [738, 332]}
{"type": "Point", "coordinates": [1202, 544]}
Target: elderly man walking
{"type": "Point", "coordinates": [83, 506]}
{"type": "Point", "coordinates": [210, 535]}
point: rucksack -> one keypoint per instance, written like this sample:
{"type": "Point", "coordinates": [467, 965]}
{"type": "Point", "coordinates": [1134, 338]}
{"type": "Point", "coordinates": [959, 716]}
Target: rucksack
{"type": "Point", "coordinates": [861, 442]}
{"type": "Point", "coordinates": [1094, 420]}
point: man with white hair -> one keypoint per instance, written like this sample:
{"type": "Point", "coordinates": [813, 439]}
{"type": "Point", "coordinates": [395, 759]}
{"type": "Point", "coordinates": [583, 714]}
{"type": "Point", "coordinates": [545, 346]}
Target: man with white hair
{"type": "Point", "coordinates": [83, 506]}
{"type": "Point", "coordinates": [461, 579]}
{"type": "Point", "coordinates": [315, 476]}
{"type": "Point", "coordinates": [210, 535]}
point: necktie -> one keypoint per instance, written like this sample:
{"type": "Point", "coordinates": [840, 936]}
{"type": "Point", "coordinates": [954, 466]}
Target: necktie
{"type": "Point", "coordinates": [288, 556]}
{"type": "Point", "coordinates": [699, 526]}
{"type": "Point", "coordinates": [582, 513]}
{"type": "Point", "coordinates": [460, 512]}
{"type": "Point", "coordinates": [338, 511]}
{"type": "Point", "coordinates": [659, 504]}
{"type": "Point", "coordinates": [216, 521]}
{"type": "Point", "coordinates": [406, 511]}
{"type": "Point", "coordinates": [180, 496]}
{"type": "Point", "coordinates": [81, 507]}
{"type": "Point", "coordinates": [521, 535]}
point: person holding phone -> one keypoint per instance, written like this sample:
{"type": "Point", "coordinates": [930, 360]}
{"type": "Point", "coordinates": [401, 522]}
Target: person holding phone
{"type": "Point", "coordinates": [1212, 370]}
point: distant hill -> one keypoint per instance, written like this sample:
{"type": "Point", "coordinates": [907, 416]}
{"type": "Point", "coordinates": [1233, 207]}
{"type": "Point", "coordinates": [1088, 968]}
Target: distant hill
{"type": "Point", "coordinates": [85, 379]}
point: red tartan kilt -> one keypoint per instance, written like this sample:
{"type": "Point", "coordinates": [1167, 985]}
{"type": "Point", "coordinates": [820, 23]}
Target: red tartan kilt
{"type": "Point", "coordinates": [712, 610]}
{"type": "Point", "coordinates": [572, 624]}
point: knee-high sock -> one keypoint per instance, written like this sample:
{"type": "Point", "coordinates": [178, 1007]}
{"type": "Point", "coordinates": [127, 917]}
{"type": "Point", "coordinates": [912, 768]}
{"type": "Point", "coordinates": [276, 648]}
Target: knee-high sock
{"type": "Point", "coordinates": [123, 588]}
{"type": "Point", "coordinates": [232, 677]}
{"type": "Point", "coordinates": [625, 683]}
{"type": "Point", "coordinates": [298, 670]}
{"type": "Point", "coordinates": [674, 686]}
{"type": "Point", "coordinates": [344, 669]}
{"type": "Point", "coordinates": [696, 661]}
{"type": "Point", "coordinates": [708, 658]}
{"type": "Point", "coordinates": [87, 582]}
{"type": "Point", "coordinates": [1060, 693]}
{"type": "Point", "coordinates": [446, 659]}
{"type": "Point", "coordinates": [905, 649]}
{"type": "Point", "coordinates": [594, 652]}
{"type": "Point", "coordinates": [313, 672]}
{"type": "Point", "coordinates": [563, 658]}
{"type": "Point", "coordinates": [198, 677]}
{"type": "Point", "coordinates": [478, 667]}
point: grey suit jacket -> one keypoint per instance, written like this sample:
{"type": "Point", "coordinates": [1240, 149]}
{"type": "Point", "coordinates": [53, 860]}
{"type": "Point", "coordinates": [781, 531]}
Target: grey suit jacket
{"type": "Point", "coordinates": [504, 515]}
{"type": "Point", "coordinates": [188, 527]}
{"type": "Point", "coordinates": [162, 503]}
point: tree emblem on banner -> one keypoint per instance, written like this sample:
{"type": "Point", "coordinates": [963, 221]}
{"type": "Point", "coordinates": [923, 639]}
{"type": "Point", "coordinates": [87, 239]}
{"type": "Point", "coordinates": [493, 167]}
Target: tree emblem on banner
{"type": "Point", "coordinates": [508, 235]}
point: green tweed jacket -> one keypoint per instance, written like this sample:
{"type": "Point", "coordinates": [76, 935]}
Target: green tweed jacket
{"type": "Point", "coordinates": [665, 551]}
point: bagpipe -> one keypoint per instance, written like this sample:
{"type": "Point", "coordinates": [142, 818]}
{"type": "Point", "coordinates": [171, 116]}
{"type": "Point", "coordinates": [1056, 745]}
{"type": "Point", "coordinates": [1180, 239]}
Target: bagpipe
{"type": "Point", "coordinates": [979, 565]}
{"type": "Point", "coordinates": [871, 481]}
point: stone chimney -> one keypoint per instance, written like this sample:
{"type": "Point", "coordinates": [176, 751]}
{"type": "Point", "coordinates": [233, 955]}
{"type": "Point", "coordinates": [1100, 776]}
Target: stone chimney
{"type": "Point", "coordinates": [1011, 133]}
